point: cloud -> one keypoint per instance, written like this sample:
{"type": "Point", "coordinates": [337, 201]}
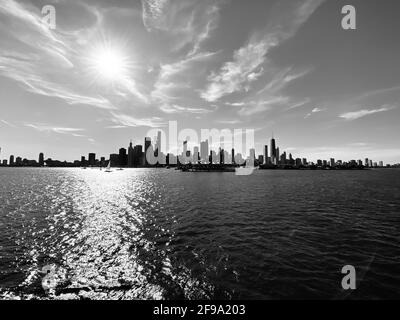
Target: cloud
{"type": "Point", "coordinates": [246, 65]}
{"type": "Point", "coordinates": [60, 130]}
{"type": "Point", "coordinates": [188, 22]}
{"type": "Point", "coordinates": [124, 120]}
{"type": "Point", "coordinates": [254, 107]}
{"type": "Point", "coordinates": [179, 109]}
{"type": "Point", "coordinates": [177, 76]}
{"type": "Point", "coordinates": [315, 110]}
{"type": "Point", "coordinates": [234, 75]}
{"type": "Point", "coordinates": [53, 63]}
{"type": "Point", "coordinates": [350, 116]}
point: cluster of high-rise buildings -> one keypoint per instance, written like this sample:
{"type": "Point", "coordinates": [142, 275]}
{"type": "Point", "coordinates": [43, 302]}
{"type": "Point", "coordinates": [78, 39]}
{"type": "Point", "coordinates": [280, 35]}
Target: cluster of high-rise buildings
{"type": "Point", "coordinates": [151, 155]}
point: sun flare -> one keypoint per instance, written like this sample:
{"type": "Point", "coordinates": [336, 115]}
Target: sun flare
{"type": "Point", "coordinates": [109, 64]}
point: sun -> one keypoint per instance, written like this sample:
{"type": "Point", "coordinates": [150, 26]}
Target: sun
{"type": "Point", "coordinates": [108, 63]}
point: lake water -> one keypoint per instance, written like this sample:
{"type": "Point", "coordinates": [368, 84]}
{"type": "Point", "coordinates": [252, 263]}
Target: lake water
{"type": "Point", "coordinates": [164, 234]}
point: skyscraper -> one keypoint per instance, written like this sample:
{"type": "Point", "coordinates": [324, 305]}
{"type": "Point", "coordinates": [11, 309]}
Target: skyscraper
{"type": "Point", "coordinates": [147, 144]}
{"type": "Point", "coordinates": [92, 159]}
{"type": "Point", "coordinates": [196, 155]}
{"type": "Point", "coordinates": [265, 154]}
{"type": "Point", "coordinates": [122, 157]}
{"type": "Point", "coordinates": [41, 159]}
{"type": "Point", "coordinates": [273, 151]}
{"type": "Point", "coordinates": [158, 144]}
{"type": "Point", "coordinates": [130, 156]}
{"type": "Point", "coordinates": [204, 152]}
{"type": "Point", "coordinates": [11, 161]}
{"type": "Point", "coordinates": [277, 155]}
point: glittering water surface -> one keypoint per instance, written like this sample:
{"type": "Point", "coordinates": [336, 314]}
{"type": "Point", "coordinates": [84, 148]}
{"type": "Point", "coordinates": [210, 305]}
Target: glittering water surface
{"type": "Point", "coordinates": [164, 234]}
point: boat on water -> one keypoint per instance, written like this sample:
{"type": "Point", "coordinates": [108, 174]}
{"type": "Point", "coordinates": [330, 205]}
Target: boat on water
{"type": "Point", "coordinates": [120, 169]}
{"type": "Point", "coordinates": [244, 171]}
{"type": "Point", "coordinates": [108, 169]}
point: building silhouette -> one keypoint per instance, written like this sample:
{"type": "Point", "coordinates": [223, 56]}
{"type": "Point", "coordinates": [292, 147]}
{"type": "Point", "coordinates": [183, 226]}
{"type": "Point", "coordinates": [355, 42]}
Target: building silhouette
{"type": "Point", "coordinates": [92, 159]}
{"type": "Point", "coordinates": [273, 151]}
{"type": "Point", "coordinates": [122, 157]}
{"type": "Point", "coordinates": [41, 159]}
{"type": "Point", "coordinates": [131, 162]}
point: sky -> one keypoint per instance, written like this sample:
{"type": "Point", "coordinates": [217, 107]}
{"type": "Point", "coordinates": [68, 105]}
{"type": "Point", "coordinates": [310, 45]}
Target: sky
{"type": "Point", "coordinates": [112, 70]}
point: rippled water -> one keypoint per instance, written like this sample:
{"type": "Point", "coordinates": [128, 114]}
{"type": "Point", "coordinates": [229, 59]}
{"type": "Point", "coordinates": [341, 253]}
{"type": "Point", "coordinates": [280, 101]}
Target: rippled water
{"type": "Point", "coordinates": [164, 234]}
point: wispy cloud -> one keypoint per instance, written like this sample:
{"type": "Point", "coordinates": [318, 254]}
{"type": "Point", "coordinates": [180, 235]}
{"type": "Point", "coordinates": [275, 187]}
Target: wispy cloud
{"type": "Point", "coordinates": [315, 110]}
{"type": "Point", "coordinates": [253, 107]}
{"type": "Point", "coordinates": [61, 130]}
{"type": "Point", "coordinates": [350, 116]}
{"type": "Point", "coordinates": [124, 120]}
{"type": "Point", "coordinates": [246, 66]}
{"type": "Point", "coordinates": [234, 75]}
{"type": "Point", "coordinates": [179, 109]}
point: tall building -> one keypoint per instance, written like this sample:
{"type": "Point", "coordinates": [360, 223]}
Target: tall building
{"type": "Point", "coordinates": [114, 158]}
{"type": "Point", "coordinates": [11, 160]}
{"type": "Point", "coordinates": [122, 157]}
{"type": "Point", "coordinates": [41, 159]}
{"type": "Point", "coordinates": [366, 162]}
{"type": "Point", "coordinates": [252, 155]}
{"type": "Point", "coordinates": [196, 154]}
{"type": "Point", "coordinates": [157, 149]}
{"type": "Point", "coordinates": [332, 162]}
{"type": "Point", "coordinates": [147, 145]}
{"type": "Point", "coordinates": [131, 163]}
{"type": "Point", "coordinates": [139, 158]}
{"type": "Point", "coordinates": [92, 159]}
{"type": "Point", "coordinates": [83, 161]}
{"type": "Point", "coordinates": [265, 154]}
{"type": "Point", "coordinates": [273, 151]}
{"type": "Point", "coordinates": [277, 155]}
{"type": "Point", "coordinates": [204, 151]}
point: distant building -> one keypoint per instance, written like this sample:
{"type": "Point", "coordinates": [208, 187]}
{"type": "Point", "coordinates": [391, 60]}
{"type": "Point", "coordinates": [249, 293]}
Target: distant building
{"type": "Point", "coordinates": [41, 159]}
{"type": "Point", "coordinates": [92, 159]}
{"type": "Point", "coordinates": [114, 159]}
{"type": "Point", "coordinates": [332, 162]}
{"type": "Point", "coordinates": [265, 154]}
{"type": "Point", "coordinates": [273, 151]}
{"type": "Point", "coordinates": [147, 145]}
{"type": "Point", "coordinates": [196, 155]}
{"type": "Point", "coordinates": [157, 149]}
{"type": "Point", "coordinates": [11, 160]}
{"type": "Point", "coordinates": [204, 151]}
{"type": "Point", "coordinates": [5, 162]}
{"type": "Point", "coordinates": [83, 161]}
{"type": "Point", "coordinates": [381, 164]}
{"type": "Point", "coordinates": [277, 155]}
{"type": "Point", "coordinates": [131, 163]}
{"type": "Point", "coordinates": [122, 157]}
{"type": "Point", "coordinates": [139, 158]}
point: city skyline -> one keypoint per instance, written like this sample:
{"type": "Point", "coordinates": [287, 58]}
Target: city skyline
{"type": "Point", "coordinates": [204, 153]}
{"type": "Point", "coordinates": [281, 66]}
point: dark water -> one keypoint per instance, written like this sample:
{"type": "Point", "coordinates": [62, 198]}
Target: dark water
{"type": "Point", "coordinates": [163, 234]}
